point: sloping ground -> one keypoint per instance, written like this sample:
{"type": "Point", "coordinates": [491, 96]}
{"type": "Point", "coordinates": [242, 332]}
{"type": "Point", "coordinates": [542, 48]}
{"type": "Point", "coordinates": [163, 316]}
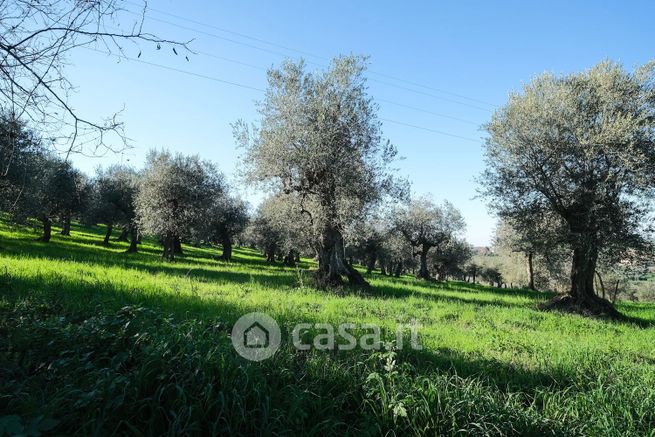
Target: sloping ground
{"type": "Point", "coordinates": [93, 340]}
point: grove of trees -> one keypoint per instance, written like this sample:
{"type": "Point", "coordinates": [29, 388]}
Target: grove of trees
{"type": "Point", "coordinates": [570, 172]}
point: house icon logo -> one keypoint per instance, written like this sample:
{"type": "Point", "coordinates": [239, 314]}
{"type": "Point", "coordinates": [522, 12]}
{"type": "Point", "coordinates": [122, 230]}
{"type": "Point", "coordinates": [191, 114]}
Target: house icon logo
{"type": "Point", "coordinates": [256, 336]}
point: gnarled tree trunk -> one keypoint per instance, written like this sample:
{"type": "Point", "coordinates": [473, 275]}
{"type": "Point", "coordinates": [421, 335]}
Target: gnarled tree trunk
{"type": "Point", "coordinates": [177, 245]}
{"type": "Point", "coordinates": [66, 226]}
{"type": "Point", "coordinates": [530, 268]}
{"type": "Point", "coordinates": [125, 232]}
{"type": "Point", "coordinates": [110, 228]}
{"type": "Point", "coordinates": [269, 252]}
{"type": "Point", "coordinates": [134, 240]}
{"type": "Point", "coordinates": [582, 298]}
{"type": "Point", "coordinates": [290, 259]}
{"type": "Point", "coordinates": [370, 262]}
{"type": "Point", "coordinates": [47, 228]}
{"type": "Point", "coordinates": [331, 262]}
{"type": "Point", "coordinates": [423, 272]}
{"type": "Point", "coordinates": [226, 242]}
{"type": "Point", "coordinates": [583, 269]}
{"type": "Point", "coordinates": [169, 247]}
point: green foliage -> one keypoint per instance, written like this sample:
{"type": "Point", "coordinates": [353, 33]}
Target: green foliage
{"type": "Point", "coordinates": [174, 196]}
{"type": "Point", "coordinates": [426, 225]}
{"type": "Point", "coordinates": [95, 341]}
{"type": "Point", "coordinates": [578, 150]}
{"type": "Point", "coordinates": [320, 139]}
{"type": "Point", "coordinates": [114, 192]}
{"type": "Point", "coordinates": [19, 146]}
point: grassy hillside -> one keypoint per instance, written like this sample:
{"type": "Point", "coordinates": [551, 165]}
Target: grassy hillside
{"type": "Point", "coordinates": [93, 340]}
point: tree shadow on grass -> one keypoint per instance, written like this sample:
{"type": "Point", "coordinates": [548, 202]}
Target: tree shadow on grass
{"type": "Point", "coordinates": [396, 292]}
{"type": "Point", "coordinates": [196, 263]}
{"type": "Point", "coordinates": [632, 320]}
{"type": "Point", "coordinates": [85, 250]}
{"type": "Point", "coordinates": [436, 293]}
{"type": "Point", "coordinates": [79, 300]}
{"type": "Point", "coordinates": [522, 292]}
{"type": "Point", "coordinates": [501, 374]}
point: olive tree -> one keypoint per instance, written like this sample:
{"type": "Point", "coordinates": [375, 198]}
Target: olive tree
{"type": "Point", "coordinates": [80, 202]}
{"type": "Point", "coordinates": [581, 146]}
{"type": "Point", "coordinates": [450, 259]}
{"type": "Point", "coordinates": [280, 228]}
{"type": "Point", "coordinates": [538, 237]}
{"type": "Point", "coordinates": [54, 192]}
{"type": "Point", "coordinates": [174, 195]}
{"type": "Point", "coordinates": [366, 241]}
{"type": "Point", "coordinates": [21, 163]}
{"type": "Point", "coordinates": [228, 217]}
{"type": "Point", "coordinates": [114, 190]}
{"type": "Point", "coordinates": [396, 254]}
{"type": "Point", "coordinates": [265, 235]}
{"type": "Point", "coordinates": [320, 139]}
{"type": "Point", "coordinates": [426, 225]}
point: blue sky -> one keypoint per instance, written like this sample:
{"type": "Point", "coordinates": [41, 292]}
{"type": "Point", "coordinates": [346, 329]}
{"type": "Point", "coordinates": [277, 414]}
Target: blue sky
{"type": "Point", "coordinates": [459, 59]}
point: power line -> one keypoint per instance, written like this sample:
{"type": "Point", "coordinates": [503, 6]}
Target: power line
{"type": "Point", "coordinates": [213, 35]}
{"type": "Point", "coordinates": [401, 123]}
{"type": "Point", "coordinates": [414, 108]}
{"type": "Point", "coordinates": [240, 85]}
{"type": "Point", "coordinates": [391, 102]}
{"type": "Point", "coordinates": [257, 67]}
{"type": "Point", "coordinates": [273, 44]}
{"type": "Point", "coordinates": [242, 35]}
{"type": "Point", "coordinates": [446, 99]}
{"type": "Point", "coordinates": [179, 70]}
{"type": "Point", "coordinates": [461, 96]}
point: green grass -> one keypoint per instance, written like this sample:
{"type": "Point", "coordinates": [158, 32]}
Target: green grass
{"type": "Point", "coordinates": [96, 341]}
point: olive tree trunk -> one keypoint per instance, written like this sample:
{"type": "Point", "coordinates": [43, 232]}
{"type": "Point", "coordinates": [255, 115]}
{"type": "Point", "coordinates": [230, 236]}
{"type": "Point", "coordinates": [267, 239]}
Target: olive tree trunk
{"type": "Point", "coordinates": [66, 226]}
{"type": "Point", "coordinates": [270, 253]}
{"type": "Point", "coordinates": [177, 245]}
{"type": "Point", "coordinates": [331, 261]}
{"type": "Point", "coordinates": [370, 264]}
{"type": "Point", "coordinates": [290, 259]}
{"type": "Point", "coordinates": [423, 272]}
{"type": "Point", "coordinates": [582, 297]}
{"type": "Point", "coordinates": [47, 228]}
{"type": "Point", "coordinates": [530, 268]}
{"type": "Point", "coordinates": [169, 247]}
{"type": "Point", "coordinates": [583, 269]}
{"type": "Point", "coordinates": [134, 240]}
{"type": "Point", "coordinates": [125, 232]}
{"type": "Point", "coordinates": [110, 228]}
{"type": "Point", "coordinates": [226, 242]}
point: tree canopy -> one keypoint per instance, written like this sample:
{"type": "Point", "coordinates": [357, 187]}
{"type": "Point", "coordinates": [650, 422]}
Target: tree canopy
{"type": "Point", "coordinates": [426, 225]}
{"type": "Point", "coordinates": [320, 138]}
{"type": "Point", "coordinates": [174, 195]}
{"type": "Point", "coordinates": [582, 147]}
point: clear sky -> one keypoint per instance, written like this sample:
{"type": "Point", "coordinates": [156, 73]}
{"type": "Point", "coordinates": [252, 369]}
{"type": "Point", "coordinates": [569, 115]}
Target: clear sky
{"type": "Point", "coordinates": [459, 59]}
